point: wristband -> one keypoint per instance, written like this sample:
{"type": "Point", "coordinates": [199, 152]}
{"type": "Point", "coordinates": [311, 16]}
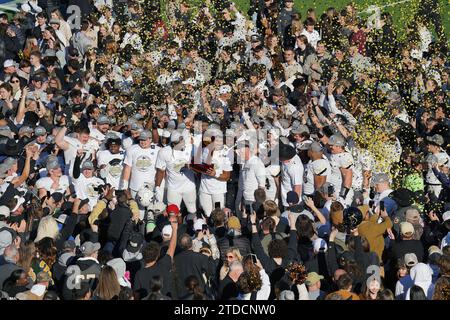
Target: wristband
{"type": "Point", "coordinates": [344, 192]}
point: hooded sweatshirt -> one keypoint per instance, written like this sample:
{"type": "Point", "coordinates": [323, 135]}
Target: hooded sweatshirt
{"type": "Point", "coordinates": [422, 276]}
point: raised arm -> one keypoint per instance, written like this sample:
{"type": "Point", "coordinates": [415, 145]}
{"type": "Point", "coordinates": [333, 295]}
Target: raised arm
{"type": "Point", "coordinates": [59, 139]}
{"type": "Point", "coordinates": [173, 239]}
{"type": "Point", "coordinates": [22, 106]}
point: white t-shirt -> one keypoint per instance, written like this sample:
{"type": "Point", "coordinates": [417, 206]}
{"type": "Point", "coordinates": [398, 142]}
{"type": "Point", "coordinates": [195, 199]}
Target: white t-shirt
{"type": "Point", "coordinates": [74, 145]}
{"type": "Point", "coordinates": [291, 175]}
{"type": "Point", "coordinates": [97, 135]}
{"type": "Point", "coordinates": [221, 162]}
{"type": "Point", "coordinates": [127, 143]}
{"type": "Point", "coordinates": [364, 161]}
{"type": "Point", "coordinates": [84, 187]}
{"type": "Point", "coordinates": [320, 167]}
{"type": "Point", "coordinates": [114, 166]}
{"type": "Point", "coordinates": [312, 37]}
{"type": "Point", "coordinates": [142, 163]}
{"type": "Point", "coordinates": [252, 176]}
{"type": "Point", "coordinates": [173, 162]}
{"type": "Point", "coordinates": [47, 182]}
{"type": "Point", "coordinates": [338, 161]}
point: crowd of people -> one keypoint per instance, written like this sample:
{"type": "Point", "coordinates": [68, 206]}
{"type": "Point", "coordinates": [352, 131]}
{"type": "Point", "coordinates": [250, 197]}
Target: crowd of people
{"type": "Point", "coordinates": [192, 152]}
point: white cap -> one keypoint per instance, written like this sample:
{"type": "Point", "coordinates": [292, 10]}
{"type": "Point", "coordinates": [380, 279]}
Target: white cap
{"type": "Point", "coordinates": [320, 244]}
{"type": "Point", "coordinates": [167, 231]}
{"type": "Point", "coordinates": [4, 211]}
{"type": "Point", "coordinates": [224, 89]}
{"type": "Point", "coordinates": [25, 7]}
{"type": "Point", "coordinates": [20, 201]}
{"type": "Point", "coordinates": [166, 134]}
{"type": "Point", "coordinates": [446, 216]}
{"type": "Point", "coordinates": [8, 63]}
{"type": "Point", "coordinates": [198, 224]}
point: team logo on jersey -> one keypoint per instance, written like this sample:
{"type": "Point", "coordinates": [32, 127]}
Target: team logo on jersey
{"type": "Point", "coordinates": [115, 167]}
{"type": "Point", "coordinates": [143, 163]}
{"type": "Point", "coordinates": [90, 191]}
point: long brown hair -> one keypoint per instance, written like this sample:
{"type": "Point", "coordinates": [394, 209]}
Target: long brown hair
{"type": "Point", "coordinates": [46, 250]}
{"type": "Point", "coordinates": [27, 252]}
{"type": "Point", "coordinates": [108, 285]}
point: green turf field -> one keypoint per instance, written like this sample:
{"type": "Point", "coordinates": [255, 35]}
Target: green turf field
{"type": "Point", "coordinates": [402, 13]}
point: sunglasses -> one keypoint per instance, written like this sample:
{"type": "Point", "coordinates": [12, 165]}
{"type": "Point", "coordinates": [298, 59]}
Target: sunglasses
{"type": "Point", "coordinates": [15, 81]}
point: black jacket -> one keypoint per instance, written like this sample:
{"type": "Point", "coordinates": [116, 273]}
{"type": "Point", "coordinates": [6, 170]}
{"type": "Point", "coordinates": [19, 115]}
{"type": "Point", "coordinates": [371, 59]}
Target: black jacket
{"type": "Point", "coordinates": [190, 263]}
{"type": "Point", "coordinates": [118, 218]}
{"type": "Point", "coordinates": [89, 271]}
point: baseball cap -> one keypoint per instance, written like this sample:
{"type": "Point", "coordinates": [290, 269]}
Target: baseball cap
{"type": "Point", "coordinates": [25, 129]}
{"type": "Point", "coordinates": [135, 242]}
{"type": "Point", "coordinates": [336, 140]}
{"type": "Point", "coordinates": [5, 240]}
{"type": "Point", "coordinates": [166, 134]}
{"type": "Point", "coordinates": [224, 89]}
{"type": "Point", "coordinates": [40, 131]}
{"type": "Point", "coordinates": [406, 227]}
{"type": "Point", "coordinates": [52, 164]}
{"type": "Point", "coordinates": [7, 164]}
{"type": "Point", "coordinates": [320, 245]}
{"type": "Point", "coordinates": [87, 165]}
{"type": "Point", "coordinates": [446, 216]}
{"type": "Point", "coordinates": [436, 140]}
{"type": "Point", "coordinates": [255, 38]}
{"type": "Point", "coordinates": [173, 208]}
{"type": "Point", "coordinates": [167, 231]}
{"type": "Point", "coordinates": [103, 119]}
{"type": "Point", "coordinates": [316, 147]}
{"type": "Point", "coordinates": [83, 202]}
{"type": "Point", "coordinates": [144, 135]}
{"type": "Point", "coordinates": [4, 211]}
{"type": "Point", "coordinates": [69, 245]}
{"type": "Point", "coordinates": [299, 128]}
{"type": "Point", "coordinates": [380, 178]}
{"type": "Point", "coordinates": [411, 259]}
{"type": "Point", "coordinates": [313, 278]}
{"type": "Point", "coordinates": [287, 295]}
{"type": "Point", "coordinates": [176, 137]}
{"type": "Point", "coordinates": [89, 248]}
{"type": "Point", "coordinates": [136, 126]}
{"type": "Point", "coordinates": [9, 63]}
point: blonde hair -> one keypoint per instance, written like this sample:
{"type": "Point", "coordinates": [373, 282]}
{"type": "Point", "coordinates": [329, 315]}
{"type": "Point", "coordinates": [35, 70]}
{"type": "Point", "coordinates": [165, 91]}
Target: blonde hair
{"type": "Point", "coordinates": [48, 227]}
{"type": "Point", "coordinates": [235, 252]}
{"type": "Point", "coordinates": [271, 208]}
